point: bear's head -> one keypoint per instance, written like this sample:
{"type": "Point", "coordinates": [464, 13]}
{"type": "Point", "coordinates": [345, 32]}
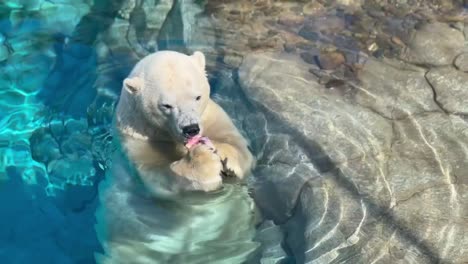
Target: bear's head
{"type": "Point", "coordinates": [171, 91]}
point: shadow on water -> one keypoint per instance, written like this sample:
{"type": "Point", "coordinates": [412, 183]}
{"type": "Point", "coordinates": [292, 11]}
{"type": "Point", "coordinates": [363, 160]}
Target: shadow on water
{"type": "Point", "coordinates": [171, 35]}
{"type": "Point", "coordinates": [70, 84]}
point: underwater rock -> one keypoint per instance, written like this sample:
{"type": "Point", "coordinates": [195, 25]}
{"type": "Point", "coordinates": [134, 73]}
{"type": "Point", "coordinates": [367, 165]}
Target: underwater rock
{"type": "Point", "coordinates": [330, 61]}
{"type": "Point", "coordinates": [461, 62]}
{"type": "Point", "coordinates": [394, 89]}
{"type": "Point", "coordinates": [309, 34]}
{"type": "Point", "coordinates": [372, 170]}
{"type": "Point", "coordinates": [350, 3]}
{"type": "Point", "coordinates": [290, 20]}
{"type": "Point", "coordinates": [308, 57]}
{"type": "Point", "coordinates": [396, 40]}
{"type": "Point", "coordinates": [271, 251]}
{"type": "Point", "coordinates": [325, 24]}
{"type": "Point", "coordinates": [434, 44]}
{"type": "Point", "coordinates": [71, 170]}
{"type": "Point", "coordinates": [44, 148]}
{"type": "Point", "coordinates": [307, 104]}
{"type": "Point", "coordinates": [427, 166]}
{"type": "Point", "coordinates": [280, 174]}
{"type": "Point", "coordinates": [66, 149]}
{"type": "Point", "coordinates": [427, 151]}
{"type": "Point", "coordinates": [4, 53]}
{"type": "Point", "coordinates": [322, 119]}
{"type": "Point", "coordinates": [450, 87]}
{"type": "Point", "coordinates": [127, 9]}
{"type": "Point", "coordinates": [184, 28]}
{"type": "Point", "coordinates": [62, 16]}
{"type": "Point", "coordinates": [312, 8]}
{"type": "Point", "coordinates": [465, 29]}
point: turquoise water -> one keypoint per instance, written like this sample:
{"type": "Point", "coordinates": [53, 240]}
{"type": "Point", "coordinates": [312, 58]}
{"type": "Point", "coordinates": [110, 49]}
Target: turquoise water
{"type": "Point", "coordinates": [49, 165]}
{"type": "Point", "coordinates": [56, 108]}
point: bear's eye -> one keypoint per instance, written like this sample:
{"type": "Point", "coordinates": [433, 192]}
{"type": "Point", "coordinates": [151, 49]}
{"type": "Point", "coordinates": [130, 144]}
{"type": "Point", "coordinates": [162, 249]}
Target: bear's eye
{"type": "Point", "coordinates": [198, 98]}
{"type": "Point", "coordinates": [167, 106]}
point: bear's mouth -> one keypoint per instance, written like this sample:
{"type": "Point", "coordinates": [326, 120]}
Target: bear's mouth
{"type": "Point", "coordinates": [192, 141]}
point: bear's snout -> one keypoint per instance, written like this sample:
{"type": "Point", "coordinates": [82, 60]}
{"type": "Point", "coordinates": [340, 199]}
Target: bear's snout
{"type": "Point", "coordinates": [191, 130]}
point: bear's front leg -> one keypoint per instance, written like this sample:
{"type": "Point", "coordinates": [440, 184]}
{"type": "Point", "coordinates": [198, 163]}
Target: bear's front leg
{"type": "Point", "coordinates": [201, 167]}
{"type": "Point", "coordinates": [236, 160]}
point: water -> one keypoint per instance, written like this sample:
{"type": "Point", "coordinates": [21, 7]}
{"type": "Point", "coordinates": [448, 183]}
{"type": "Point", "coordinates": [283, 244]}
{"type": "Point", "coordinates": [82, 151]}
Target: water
{"type": "Point", "coordinates": [355, 110]}
{"type": "Point", "coordinates": [195, 228]}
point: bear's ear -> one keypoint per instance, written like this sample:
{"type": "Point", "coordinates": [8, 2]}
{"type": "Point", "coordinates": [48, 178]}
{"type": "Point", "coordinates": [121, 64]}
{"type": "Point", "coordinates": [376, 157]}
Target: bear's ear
{"type": "Point", "coordinates": [133, 85]}
{"type": "Point", "coordinates": [199, 59]}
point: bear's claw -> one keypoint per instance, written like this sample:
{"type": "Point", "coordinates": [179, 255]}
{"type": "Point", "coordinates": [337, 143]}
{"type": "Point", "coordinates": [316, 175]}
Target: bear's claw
{"type": "Point", "coordinates": [226, 172]}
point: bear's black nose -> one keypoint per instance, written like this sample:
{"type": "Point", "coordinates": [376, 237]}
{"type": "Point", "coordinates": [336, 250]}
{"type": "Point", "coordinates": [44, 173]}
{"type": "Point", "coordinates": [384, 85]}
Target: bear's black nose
{"type": "Point", "coordinates": [191, 130]}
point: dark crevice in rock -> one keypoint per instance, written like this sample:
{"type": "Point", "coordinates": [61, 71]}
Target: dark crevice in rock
{"type": "Point", "coordinates": [323, 163]}
{"type": "Point", "coordinates": [463, 116]}
{"type": "Point", "coordinates": [425, 66]}
{"type": "Point", "coordinates": [395, 138]}
{"type": "Point", "coordinates": [296, 210]}
{"type": "Point", "coordinates": [454, 64]}
{"type": "Point", "coordinates": [216, 71]}
{"type": "Point", "coordinates": [411, 67]}
{"type": "Point", "coordinates": [435, 95]}
{"type": "Point", "coordinates": [422, 113]}
{"type": "Point", "coordinates": [86, 203]}
{"type": "Point", "coordinates": [376, 112]}
{"type": "Point", "coordinates": [56, 138]}
{"type": "Point", "coordinates": [270, 162]}
{"type": "Point", "coordinates": [137, 21]}
{"type": "Point", "coordinates": [395, 135]}
{"type": "Point", "coordinates": [171, 34]}
{"type": "Point", "coordinates": [99, 19]}
{"type": "Point", "coordinates": [417, 193]}
{"type": "Point", "coordinates": [284, 244]}
{"type": "Point", "coordinates": [75, 69]}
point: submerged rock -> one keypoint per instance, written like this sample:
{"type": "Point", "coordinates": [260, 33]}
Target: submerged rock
{"type": "Point", "coordinates": [461, 62]}
{"type": "Point", "coordinates": [330, 61]}
{"type": "Point", "coordinates": [350, 3]}
{"type": "Point", "coordinates": [66, 149]}
{"type": "Point", "coordinates": [451, 90]}
{"type": "Point", "coordinates": [371, 164]}
{"type": "Point", "coordinates": [434, 44]}
{"type": "Point", "coordinates": [394, 89]}
{"type": "Point", "coordinates": [427, 173]}
{"type": "Point", "coordinates": [4, 53]}
{"type": "Point", "coordinates": [271, 252]}
{"type": "Point", "coordinates": [280, 165]}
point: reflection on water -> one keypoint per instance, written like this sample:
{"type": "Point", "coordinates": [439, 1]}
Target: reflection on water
{"type": "Point", "coordinates": [356, 111]}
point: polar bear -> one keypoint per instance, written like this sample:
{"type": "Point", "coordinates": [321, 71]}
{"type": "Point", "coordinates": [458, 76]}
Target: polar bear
{"type": "Point", "coordinates": [165, 101]}
{"type": "Point", "coordinates": [164, 202]}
